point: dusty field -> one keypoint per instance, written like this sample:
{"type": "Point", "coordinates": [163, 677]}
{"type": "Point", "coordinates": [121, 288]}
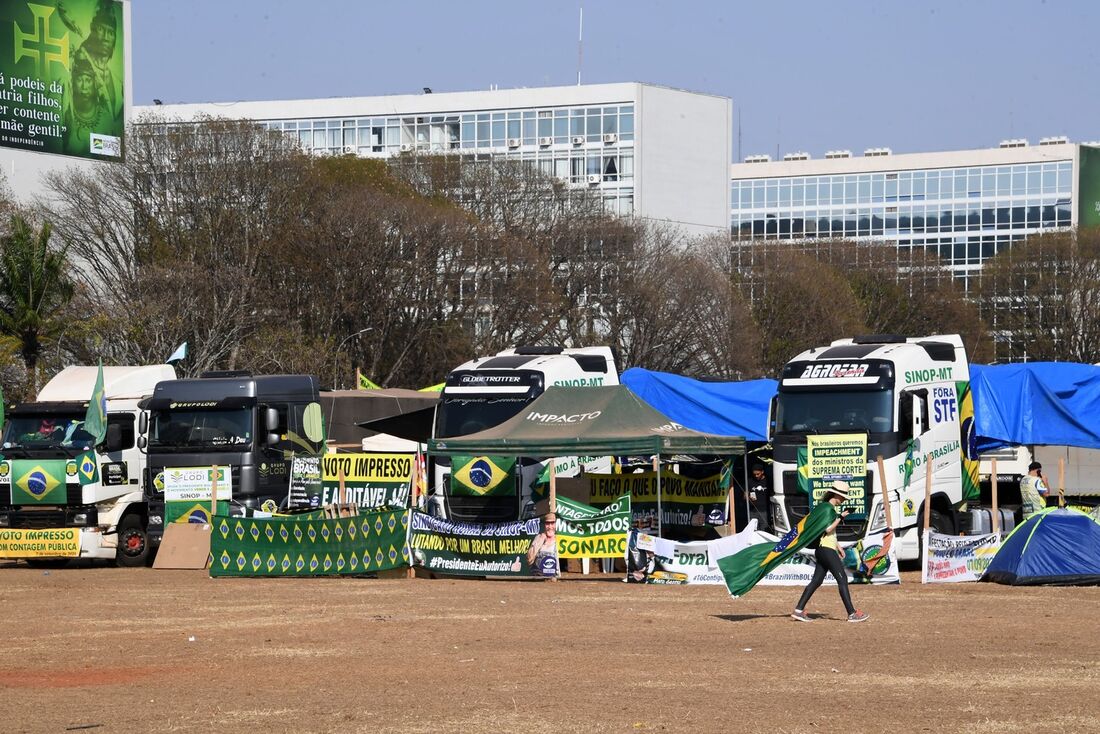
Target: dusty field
{"type": "Point", "coordinates": [100, 649]}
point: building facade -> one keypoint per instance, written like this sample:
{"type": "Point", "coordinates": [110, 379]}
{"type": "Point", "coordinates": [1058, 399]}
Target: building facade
{"type": "Point", "coordinates": [648, 151]}
{"type": "Point", "coordinates": [964, 206]}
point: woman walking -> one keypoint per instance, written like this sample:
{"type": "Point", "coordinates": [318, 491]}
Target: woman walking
{"type": "Point", "coordinates": [829, 560]}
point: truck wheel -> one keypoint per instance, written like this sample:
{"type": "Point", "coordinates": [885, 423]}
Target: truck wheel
{"type": "Point", "coordinates": [133, 543]}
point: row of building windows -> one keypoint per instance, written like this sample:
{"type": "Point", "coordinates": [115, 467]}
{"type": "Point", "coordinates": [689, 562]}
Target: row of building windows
{"type": "Point", "coordinates": [541, 128]}
{"type": "Point", "coordinates": [985, 182]}
{"type": "Point", "coordinates": [893, 221]}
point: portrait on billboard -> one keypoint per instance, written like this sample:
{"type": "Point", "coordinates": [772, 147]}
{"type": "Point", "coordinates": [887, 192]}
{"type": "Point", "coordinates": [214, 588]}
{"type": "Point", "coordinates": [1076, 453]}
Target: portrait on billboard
{"type": "Point", "coordinates": [62, 77]}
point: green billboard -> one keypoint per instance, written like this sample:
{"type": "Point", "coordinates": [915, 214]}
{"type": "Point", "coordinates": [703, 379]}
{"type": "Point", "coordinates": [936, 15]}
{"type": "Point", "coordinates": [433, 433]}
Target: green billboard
{"type": "Point", "coordinates": [62, 77]}
{"type": "Point", "coordinates": [1088, 191]}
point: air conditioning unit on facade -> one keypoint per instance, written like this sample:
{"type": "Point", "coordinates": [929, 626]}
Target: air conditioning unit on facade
{"type": "Point", "coordinates": [578, 140]}
{"type": "Point", "coordinates": [349, 150]}
{"type": "Point", "coordinates": [406, 147]}
{"type": "Point", "coordinates": [758, 158]}
{"type": "Point", "coordinates": [1014, 143]}
{"type": "Point", "coordinates": [594, 178]}
{"type": "Point", "coordinates": [513, 142]}
{"type": "Point", "coordinates": [838, 154]}
{"type": "Point", "coordinates": [797, 157]}
{"type": "Point", "coordinates": [876, 152]}
{"type": "Point", "coordinates": [546, 141]}
{"type": "Point", "coordinates": [1056, 140]}
{"type": "Point", "coordinates": [610, 138]}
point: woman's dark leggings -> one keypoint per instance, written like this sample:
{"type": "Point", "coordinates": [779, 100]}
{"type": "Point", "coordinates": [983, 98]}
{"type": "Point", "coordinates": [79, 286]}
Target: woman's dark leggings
{"type": "Point", "coordinates": [828, 561]}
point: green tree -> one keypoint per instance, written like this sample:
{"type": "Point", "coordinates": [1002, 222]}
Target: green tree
{"type": "Point", "coordinates": [35, 291]}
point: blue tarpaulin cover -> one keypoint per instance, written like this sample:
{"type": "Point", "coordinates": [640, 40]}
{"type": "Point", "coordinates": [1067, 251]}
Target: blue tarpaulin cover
{"type": "Point", "coordinates": [721, 408]}
{"type": "Point", "coordinates": [1055, 546]}
{"type": "Point", "coordinates": [1038, 403]}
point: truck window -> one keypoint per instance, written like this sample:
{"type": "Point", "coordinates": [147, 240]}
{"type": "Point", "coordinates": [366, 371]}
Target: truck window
{"type": "Point", "coordinates": [126, 422]}
{"type": "Point", "coordinates": [291, 430]}
{"type": "Point", "coordinates": [905, 413]}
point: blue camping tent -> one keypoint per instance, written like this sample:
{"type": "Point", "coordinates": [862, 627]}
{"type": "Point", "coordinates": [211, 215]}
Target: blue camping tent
{"type": "Point", "coordinates": [1055, 546]}
{"type": "Point", "coordinates": [721, 408]}
{"type": "Point", "coordinates": [1038, 403]}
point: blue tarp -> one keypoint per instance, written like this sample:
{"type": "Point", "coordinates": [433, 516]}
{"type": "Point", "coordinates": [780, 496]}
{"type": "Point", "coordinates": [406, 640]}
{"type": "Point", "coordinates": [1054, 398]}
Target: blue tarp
{"type": "Point", "coordinates": [1038, 403]}
{"type": "Point", "coordinates": [721, 408]}
{"type": "Point", "coordinates": [1056, 546]}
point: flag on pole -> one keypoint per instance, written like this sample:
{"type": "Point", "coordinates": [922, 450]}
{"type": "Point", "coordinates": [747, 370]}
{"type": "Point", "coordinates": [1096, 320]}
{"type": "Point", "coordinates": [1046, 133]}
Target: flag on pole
{"type": "Point", "coordinates": [95, 423]}
{"type": "Point", "coordinates": [365, 382]}
{"type": "Point", "coordinates": [745, 567]}
{"type": "Point", "coordinates": [433, 388]}
{"type": "Point", "coordinates": [179, 355]}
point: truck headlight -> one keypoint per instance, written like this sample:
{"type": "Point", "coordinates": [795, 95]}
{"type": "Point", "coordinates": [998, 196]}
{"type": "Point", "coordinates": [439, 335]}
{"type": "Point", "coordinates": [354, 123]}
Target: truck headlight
{"type": "Point", "coordinates": [4, 521]}
{"type": "Point", "coordinates": [156, 520]}
{"type": "Point", "coordinates": [878, 520]}
{"type": "Point", "coordinates": [779, 518]}
{"type": "Point", "coordinates": [80, 518]}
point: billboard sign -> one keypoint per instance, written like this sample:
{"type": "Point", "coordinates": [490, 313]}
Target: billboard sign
{"type": "Point", "coordinates": [62, 77]}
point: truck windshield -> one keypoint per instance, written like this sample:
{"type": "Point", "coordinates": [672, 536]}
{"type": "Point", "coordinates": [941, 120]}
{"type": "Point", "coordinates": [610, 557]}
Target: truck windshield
{"type": "Point", "coordinates": [47, 431]}
{"type": "Point", "coordinates": [210, 430]}
{"type": "Point", "coordinates": [834, 412]}
{"type": "Point", "coordinates": [461, 415]}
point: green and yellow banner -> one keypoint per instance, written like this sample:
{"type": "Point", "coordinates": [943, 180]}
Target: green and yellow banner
{"type": "Point", "coordinates": [371, 481]}
{"type": "Point", "coordinates": [584, 531]}
{"type": "Point", "coordinates": [39, 482]}
{"type": "Point", "coordinates": [483, 476]}
{"type": "Point", "coordinates": [52, 543]}
{"type": "Point", "coordinates": [291, 546]}
{"type": "Point", "coordinates": [63, 77]}
{"type": "Point", "coordinates": [828, 458]}
{"type": "Point", "coordinates": [685, 502]}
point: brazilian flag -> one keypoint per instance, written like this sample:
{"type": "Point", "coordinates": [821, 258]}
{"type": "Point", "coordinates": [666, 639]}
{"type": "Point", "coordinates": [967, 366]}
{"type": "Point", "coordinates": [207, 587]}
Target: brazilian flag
{"type": "Point", "coordinates": [745, 568]}
{"type": "Point", "coordinates": [482, 476]}
{"type": "Point", "coordinates": [38, 482]}
{"type": "Point", "coordinates": [805, 484]}
{"type": "Point", "coordinates": [95, 423]}
{"type": "Point", "coordinates": [87, 469]}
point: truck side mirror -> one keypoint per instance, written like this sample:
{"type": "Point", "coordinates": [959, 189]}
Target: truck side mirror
{"type": "Point", "coordinates": [114, 437]}
{"type": "Point", "coordinates": [918, 427]}
{"type": "Point", "coordinates": [143, 422]}
{"type": "Point", "coordinates": [771, 415]}
{"type": "Point", "coordinates": [142, 442]}
{"type": "Point", "coordinates": [272, 439]}
{"type": "Point", "coordinates": [271, 419]}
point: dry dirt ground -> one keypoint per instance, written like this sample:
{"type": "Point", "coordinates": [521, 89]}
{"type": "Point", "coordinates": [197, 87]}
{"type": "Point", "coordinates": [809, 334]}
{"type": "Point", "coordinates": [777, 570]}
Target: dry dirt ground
{"type": "Point", "coordinates": [104, 649]}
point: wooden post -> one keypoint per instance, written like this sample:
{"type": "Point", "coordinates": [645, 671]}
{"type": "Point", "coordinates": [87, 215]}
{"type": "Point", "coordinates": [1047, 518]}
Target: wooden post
{"type": "Point", "coordinates": [927, 491]}
{"type": "Point", "coordinates": [1061, 481]}
{"type": "Point", "coordinates": [887, 509]}
{"type": "Point", "coordinates": [657, 470]}
{"type": "Point", "coordinates": [993, 487]}
{"type": "Point", "coordinates": [730, 511]}
{"type": "Point", "coordinates": [341, 498]}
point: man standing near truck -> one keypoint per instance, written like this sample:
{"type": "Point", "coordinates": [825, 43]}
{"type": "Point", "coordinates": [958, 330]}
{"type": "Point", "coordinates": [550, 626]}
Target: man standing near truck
{"type": "Point", "coordinates": [1033, 490]}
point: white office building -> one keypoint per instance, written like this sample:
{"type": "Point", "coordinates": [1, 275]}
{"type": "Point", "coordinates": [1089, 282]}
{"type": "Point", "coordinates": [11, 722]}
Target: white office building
{"type": "Point", "coordinates": [965, 206]}
{"type": "Point", "coordinates": [649, 151]}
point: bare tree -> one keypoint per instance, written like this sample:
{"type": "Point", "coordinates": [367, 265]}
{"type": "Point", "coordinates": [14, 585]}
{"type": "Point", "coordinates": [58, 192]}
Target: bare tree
{"type": "Point", "coordinates": [1042, 298]}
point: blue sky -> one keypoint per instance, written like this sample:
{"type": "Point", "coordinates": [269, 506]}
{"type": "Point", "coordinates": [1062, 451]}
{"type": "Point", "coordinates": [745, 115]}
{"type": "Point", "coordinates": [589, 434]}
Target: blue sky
{"type": "Point", "coordinates": [811, 76]}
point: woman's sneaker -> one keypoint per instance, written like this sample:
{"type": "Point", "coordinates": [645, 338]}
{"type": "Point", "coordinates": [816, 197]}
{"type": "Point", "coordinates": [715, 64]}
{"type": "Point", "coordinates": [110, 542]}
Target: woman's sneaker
{"type": "Point", "coordinates": [858, 616]}
{"type": "Point", "coordinates": [801, 616]}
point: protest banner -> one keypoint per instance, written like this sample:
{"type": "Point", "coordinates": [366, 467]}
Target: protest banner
{"type": "Point", "coordinates": [684, 502]}
{"type": "Point", "coordinates": [655, 560]}
{"type": "Point", "coordinates": [187, 493]}
{"type": "Point", "coordinates": [584, 531]}
{"type": "Point", "coordinates": [309, 546]}
{"type": "Point", "coordinates": [520, 548]}
{"type": "Point", "coordinates": [305, 481]}
{"type": "Point", "coordinates": [50, 543]}
{"type": "Point", "coordinates": [828, 458]}
{"type": "Point", "coordinates": [954, 558]}
{"type": "Point", "coordinates": [371, 481]}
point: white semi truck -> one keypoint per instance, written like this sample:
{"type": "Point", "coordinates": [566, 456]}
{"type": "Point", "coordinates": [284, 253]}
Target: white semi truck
{"type": "Point", "coordinates": [911, 397]}
{"type": "Point", "coordinates": [487, 391]}
{"type": "Point", "coordinates": [40, 488]}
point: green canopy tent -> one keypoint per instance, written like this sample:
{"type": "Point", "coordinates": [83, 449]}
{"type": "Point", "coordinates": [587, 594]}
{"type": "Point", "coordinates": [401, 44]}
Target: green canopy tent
{"type": "Point", "coordinates": [588, 421]}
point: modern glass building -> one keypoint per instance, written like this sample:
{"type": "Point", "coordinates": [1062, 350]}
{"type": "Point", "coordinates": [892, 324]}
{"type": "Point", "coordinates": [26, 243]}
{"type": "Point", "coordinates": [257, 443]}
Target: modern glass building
{"type": "Point", "coordinates": [964, 206]}
{"type": "Point", "coordinates": [647, 151]}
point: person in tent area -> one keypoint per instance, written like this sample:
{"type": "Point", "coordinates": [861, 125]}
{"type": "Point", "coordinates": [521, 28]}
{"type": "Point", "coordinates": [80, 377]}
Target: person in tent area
{"type": "Point", "coordinates": [830, 560]}
{"type": "Point", "coordinates": [1033, 490]}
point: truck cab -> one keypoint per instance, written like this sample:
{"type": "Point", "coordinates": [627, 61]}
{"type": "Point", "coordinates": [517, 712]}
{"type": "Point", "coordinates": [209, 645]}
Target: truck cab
{"type": "Point", "coordinates": [911, 398]}
{"type": "Point", "coordinates": [39, 485]}
{"type": "Point", "coordinates": [487, 391]}
{"type": "Point", "coordinates": [254, 425]}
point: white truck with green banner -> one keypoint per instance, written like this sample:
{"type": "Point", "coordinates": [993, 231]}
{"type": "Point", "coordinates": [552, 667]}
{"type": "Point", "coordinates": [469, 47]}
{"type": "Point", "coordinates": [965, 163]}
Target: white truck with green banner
{"type": "Point", "coordinates": [487, 391]}
{"type": "Point", "coordinates": [71, 473]}
{"type": "Point", "coordinates": [840, 407]}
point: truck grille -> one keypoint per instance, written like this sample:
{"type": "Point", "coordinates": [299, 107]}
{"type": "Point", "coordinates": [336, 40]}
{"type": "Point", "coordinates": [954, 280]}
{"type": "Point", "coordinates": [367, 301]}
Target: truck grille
{"type": "Point", "coordinates": [39, 520]}
{"type": "Point", "coordinates": [798, 506]}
